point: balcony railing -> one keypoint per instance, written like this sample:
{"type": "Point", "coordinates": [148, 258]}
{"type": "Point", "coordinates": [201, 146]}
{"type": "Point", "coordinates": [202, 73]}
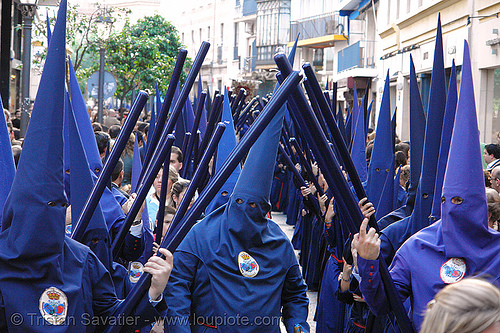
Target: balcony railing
{"type": "Point", "coordinates": [249, 64]}
{"type": "Point", "coordinates": [265, 54]}
{"type": "Point", "coordinates": [358, 55]}
{"type": "Point", "coordinates": [318, 26]}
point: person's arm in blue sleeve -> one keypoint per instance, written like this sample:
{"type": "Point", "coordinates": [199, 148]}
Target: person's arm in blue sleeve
{"type": "Point", "coordinates": [104, 300]}
{"type": "Point", "coordinates": [294, 301]}
{"type": "Point", "coordinates": [178, 292]}
{"type": "Point", "coordinates": [367, 244]}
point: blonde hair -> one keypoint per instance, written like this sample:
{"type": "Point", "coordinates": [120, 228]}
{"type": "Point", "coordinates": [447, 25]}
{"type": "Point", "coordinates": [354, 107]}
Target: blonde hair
{"type": "Point", "coordinates": [469, 306]}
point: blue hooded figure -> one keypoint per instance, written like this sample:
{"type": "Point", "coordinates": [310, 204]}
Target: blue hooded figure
{"type": "Point", "coordinates": [224, 148]}
{"type": "Point", "coordinates": [382, 158]}
{"type": "Point", "coordinates": [395, 234]}
{"type": "Point", "coordinates": [48, 282]}
{"type": "Point", "coordinates": [458, 245]}
{"type": "Point", "coordinates": [111, 208]}
{"type": "Point", "coordinates": [417, 133]}
{"type": "Point", "coordinates": [237, 263]}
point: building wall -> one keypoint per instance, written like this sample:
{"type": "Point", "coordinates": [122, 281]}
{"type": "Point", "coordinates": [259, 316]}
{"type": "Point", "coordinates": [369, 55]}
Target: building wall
{"type": "Point", "coordinates": [415, 25]}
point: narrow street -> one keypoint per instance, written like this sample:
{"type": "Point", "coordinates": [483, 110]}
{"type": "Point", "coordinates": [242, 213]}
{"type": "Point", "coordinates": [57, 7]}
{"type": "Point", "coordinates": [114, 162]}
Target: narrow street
{"type": "Point", "coordinates": [280, 219]}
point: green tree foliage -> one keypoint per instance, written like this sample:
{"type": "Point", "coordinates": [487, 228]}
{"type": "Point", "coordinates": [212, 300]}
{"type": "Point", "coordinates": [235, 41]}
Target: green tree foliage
{"type": "Point", "coordinates": [142, 55]}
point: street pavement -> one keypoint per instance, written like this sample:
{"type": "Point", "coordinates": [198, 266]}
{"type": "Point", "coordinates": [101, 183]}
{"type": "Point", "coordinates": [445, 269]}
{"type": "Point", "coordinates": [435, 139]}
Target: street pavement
{"type": "Point", "coordinates": [280, 219]}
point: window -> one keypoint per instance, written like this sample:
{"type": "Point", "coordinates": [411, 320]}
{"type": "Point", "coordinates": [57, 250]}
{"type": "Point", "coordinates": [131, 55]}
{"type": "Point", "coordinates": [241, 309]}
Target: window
{"type": "Point", "coordinates": [201, 36]}
{"type": "Point", "coordinates": [208, 33]}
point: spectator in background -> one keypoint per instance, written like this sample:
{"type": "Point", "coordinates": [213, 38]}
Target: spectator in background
{"type": "Point", "coordinates": [495, 179]}
{"type": "Point", "coordinates": [16, 121]}
{"type": "Point", "coordinates": [404, 177]}
{"type": "Point", "coordinates": [102, 139]}
{"type": "Point", "coordinates": [16, 151]}
{"type": "Point", "coordinates": [176, 158]}
{"type": "Point", "coordinates": [399, 159]}
{"type": "Point", "coordinates": [127, 157]}
{"type": "Point", "coordinates": [116, 181]}
{"type": "Point", "coordinates": [491, 155]}
{"type": "Point", "coordinates": [97, 127]}
{"type": "Point", "coordinates": [111, 119]}
{"type": "Point", "coordinates": [114, 131]}
{"type": "Point", "coordinates": [493, 200]}
{"type": "Point", "coordinates": [177, 193]}
{"type": "Point", "coordinates": [153, 200]}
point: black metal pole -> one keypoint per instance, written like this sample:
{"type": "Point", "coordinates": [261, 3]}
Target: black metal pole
{"type": "Point", "coordinates": [100, 93]}
{"type": "Point", "coordinates": [28, 12]}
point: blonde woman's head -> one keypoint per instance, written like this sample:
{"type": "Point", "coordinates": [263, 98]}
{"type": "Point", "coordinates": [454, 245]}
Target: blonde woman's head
{"type": "Point", "coordinates": [468, 306]}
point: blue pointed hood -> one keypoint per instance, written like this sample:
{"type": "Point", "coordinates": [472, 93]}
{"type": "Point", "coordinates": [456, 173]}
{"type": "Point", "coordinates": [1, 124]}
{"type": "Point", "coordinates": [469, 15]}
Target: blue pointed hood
{"type": "Point", "coordinates": [449, 120]}
{"type": "Point", "coordinates": [382, 154]}
{"type": "Point", "coordinates": [465, 228]}
{"type": "Point", "coordinates": [49, 31]}
{"type": "Point", "coordinates": [291, 55]}
{"type": "Point", "coordinates": [224, 148]}
{"type": "Point", "coordinates": [34, 215]}
{"type": "Point", "coordinates": [434, 126]}
{"type": "Point", "coordinates": [386, 202]}
{"type": "Point", "coordinates": [82, 181]}
{"type": "Point", "coordinates": [84, 124]}
{"type": "Point", "coordinates": [348, 127]}
{"type": "Point", "coordinates": [254, 185]}
{"type": "Point", "coordinates": [417, 134]}
{"type": "Point", "coordinates": [341, 125]}
{"type": "Point", "coordinates": [358, 149]}
{"type": "Point", "coordinates": [7, 166]}
{"type": "Point", "coordinates": [202, 127]}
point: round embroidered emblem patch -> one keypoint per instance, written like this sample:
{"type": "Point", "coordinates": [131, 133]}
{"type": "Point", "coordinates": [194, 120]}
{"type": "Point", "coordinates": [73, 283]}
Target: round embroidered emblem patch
{"type": "Point", "coordinates": [248, 266]}
{"type": "Point", "coordinates": [53, 306]}
{"type": "Point", "coordinates": [135, 270]}
{"type": "Point", "coordinates": [453, 270]}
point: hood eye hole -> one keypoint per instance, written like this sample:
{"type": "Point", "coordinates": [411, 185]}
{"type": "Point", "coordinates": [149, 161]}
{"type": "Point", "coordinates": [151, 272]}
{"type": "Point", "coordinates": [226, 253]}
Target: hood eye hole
{"type": "Point", "coordinates": [425, 195]}
{"type": "Point", "coordinates": [443, 199]}
{"type": "Point", "coordinates": [96, 170]}
{"type": "Point", "coordinates": [457, 200]}
{"type": "Point", "coordinates": [224, 193]}
{"type": "Point", "coordinates": [67, 172]}
{"type": "Point", "coordinates": [95, 240]}
{"type": "Point", "coordinates": [51, 203]}
{"type": "Point", "coordinates": [377, 169]}
{"type": "Point", "coordinates": [239, 201]}
{"type": "Point", "coordinates": [64, 204]}
{"type": "Point", "coordinates": [252, 204]}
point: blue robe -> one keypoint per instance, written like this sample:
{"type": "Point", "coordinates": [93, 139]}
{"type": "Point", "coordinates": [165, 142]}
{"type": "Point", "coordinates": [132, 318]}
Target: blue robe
{"type": "Point", "coordinates": [91, 298]}
{"type": "Point", "coordinates": [417, 270]}
{"type": "Point", "coordinates": [207, 283]}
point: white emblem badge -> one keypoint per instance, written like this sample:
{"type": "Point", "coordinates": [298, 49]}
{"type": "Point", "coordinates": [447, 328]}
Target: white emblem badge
{"type": "Point", "coordinates": [453, 270]}
{"type": "Point", "coordinates": [135, 270]}
{"type": "Point", "coordinates": [53, 306]}
{"type": "Point", "coordinates": [248, 266]}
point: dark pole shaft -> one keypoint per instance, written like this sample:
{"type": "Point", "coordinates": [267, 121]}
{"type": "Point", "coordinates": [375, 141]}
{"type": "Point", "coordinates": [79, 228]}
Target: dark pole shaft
{"type": "Point", "coordinates": [100, 93]}
{"type": "Point", "coordinates": [25, 75]}
{"type": "Point", "coordinates": [5, 41]}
